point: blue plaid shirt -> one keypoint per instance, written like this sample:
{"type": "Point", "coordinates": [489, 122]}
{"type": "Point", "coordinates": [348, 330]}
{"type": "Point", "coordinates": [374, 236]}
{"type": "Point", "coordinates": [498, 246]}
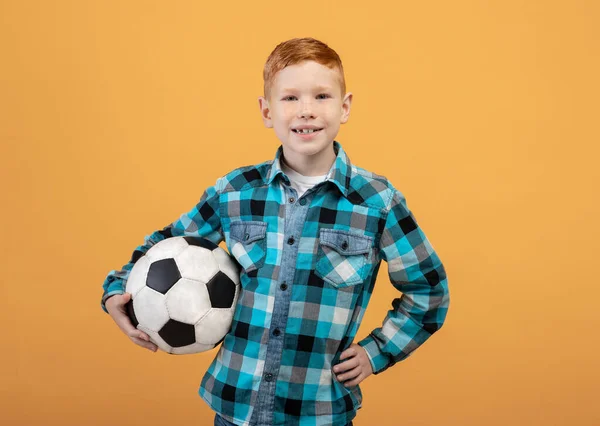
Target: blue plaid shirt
{"type": "Point", "coordinates": [308, 268]}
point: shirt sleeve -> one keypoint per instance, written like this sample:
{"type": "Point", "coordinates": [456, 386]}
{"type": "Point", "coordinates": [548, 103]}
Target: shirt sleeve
{"type": "Point", "coordinates": [202, 221]}
{"type": "Point", "coordinates": [416, 271]}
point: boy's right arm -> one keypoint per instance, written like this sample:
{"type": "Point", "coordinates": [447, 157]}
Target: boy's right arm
{"type": "Point", "coordinates": [202, 221]}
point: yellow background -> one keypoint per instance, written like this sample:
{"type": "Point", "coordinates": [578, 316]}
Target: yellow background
{"type": "Point", "coordinates": [115, 115]}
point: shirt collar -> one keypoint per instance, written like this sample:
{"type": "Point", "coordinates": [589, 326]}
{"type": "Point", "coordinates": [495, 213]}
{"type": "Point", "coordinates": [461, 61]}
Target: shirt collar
{"type": "Point", "coordinates": [339, 173]}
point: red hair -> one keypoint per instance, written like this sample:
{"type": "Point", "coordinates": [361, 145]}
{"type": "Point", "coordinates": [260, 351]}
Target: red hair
{"type": "Point", "coordinates": [296, 50]}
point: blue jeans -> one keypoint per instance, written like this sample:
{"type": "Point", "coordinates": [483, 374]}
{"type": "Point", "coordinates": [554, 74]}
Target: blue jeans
{"type": "Point", "coordinates": [220, 421]}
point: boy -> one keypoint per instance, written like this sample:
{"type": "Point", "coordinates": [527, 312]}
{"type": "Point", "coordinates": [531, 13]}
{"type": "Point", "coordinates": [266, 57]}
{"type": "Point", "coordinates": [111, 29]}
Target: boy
{"type": "Point", "coordinates": [309, 230]}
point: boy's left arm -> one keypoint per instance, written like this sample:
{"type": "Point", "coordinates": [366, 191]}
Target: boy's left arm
{"type": "Point", "coordinates": [415, 270]}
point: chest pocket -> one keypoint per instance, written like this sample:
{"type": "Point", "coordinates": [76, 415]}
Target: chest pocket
{"type": "Point", "coordinates": [343, 257]}
{"type": "Point", "coordinates": [249, 244]}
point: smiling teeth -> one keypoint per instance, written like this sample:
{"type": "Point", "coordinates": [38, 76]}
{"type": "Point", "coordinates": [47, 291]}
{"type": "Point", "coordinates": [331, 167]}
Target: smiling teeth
{"type": "Point", "coordinates": [306, 130]}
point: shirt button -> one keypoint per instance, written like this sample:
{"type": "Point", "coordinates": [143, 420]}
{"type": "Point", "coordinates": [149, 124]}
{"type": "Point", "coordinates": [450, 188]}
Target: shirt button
{"type": "Point", "coordinates": [246, 236]}
{"type": "Point", "coordinates": [283, 286]}
{"type": "Point", "coordinates": [303, 202]}
{"type": "Point", "coordinates": [292, 199]}
{"type": "Point", "coordinates": [276, 332]}
{"type": "Point", "coordinates": [290, 240]}
{"type": "Point", "coordinates": [344, 245]}
{"type": "Point", "coordinates": [268, 377]}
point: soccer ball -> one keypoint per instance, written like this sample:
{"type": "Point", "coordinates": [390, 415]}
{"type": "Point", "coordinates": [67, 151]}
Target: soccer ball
{"type": "Point", "coordinates": [183, 294]}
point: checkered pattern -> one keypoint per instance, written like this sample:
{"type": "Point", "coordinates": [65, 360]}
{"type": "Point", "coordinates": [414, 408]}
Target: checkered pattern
{"type": "Point", "coordinates": [308, 271]}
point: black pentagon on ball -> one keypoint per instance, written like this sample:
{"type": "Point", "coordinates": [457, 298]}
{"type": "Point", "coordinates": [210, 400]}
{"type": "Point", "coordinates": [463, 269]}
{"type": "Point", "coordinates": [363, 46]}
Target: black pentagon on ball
{"type": "Point", "coordinates": [177, 334]}
{"type": "Point", "coordinates": [221, 291]}
{"type": "Point", "coordinates": [201, 242]}
{"type": "Point", "coordinates": [162, 275]}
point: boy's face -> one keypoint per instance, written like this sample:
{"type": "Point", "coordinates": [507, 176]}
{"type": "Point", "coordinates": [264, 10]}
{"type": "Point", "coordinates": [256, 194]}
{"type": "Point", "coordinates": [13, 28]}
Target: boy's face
{"type": "Point", "coordinates": [306, 95]}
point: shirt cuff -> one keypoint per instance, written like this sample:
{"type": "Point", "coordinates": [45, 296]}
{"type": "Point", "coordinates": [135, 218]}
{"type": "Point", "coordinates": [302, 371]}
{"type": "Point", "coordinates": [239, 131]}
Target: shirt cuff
{"type": "Point", "coordinates": [379, 362]}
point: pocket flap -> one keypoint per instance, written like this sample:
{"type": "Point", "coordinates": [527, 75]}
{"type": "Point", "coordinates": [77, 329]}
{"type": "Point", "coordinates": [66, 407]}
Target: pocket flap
{"type": "Point", "coordinates": [345, 242]}
{"type": "Point", "coordinates": [248, 231]}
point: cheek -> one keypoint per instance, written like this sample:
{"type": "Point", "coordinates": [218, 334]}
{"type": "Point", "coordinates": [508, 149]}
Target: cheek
{"type": "Point", "coordinates": [283, 116]}
{"type": "Point", "coordinates": [331, 121]}
{"type": "Point", "coordinates": [331, 115]}
{"type": "Point", "coordinates": [281, 127]}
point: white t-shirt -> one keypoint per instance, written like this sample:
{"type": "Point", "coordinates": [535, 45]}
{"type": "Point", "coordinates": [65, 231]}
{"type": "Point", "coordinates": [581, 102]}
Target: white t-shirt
{"type": "Point", "coordinates": [300, 182]}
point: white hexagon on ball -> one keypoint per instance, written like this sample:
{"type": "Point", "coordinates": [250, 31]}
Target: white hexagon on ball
{"type": "Point", "coordinates": [150, 309]}
{"type": "Point", "coordinates": [214, 325]}
{"type": "Point", "coordinates": [188, 301]}
{"type": "Point", "coordinates": [166, 249]}
{"type": "Point", "coordinates": [197, 263]}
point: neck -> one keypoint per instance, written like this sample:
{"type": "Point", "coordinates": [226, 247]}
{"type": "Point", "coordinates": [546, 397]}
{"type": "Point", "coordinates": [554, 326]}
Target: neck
{"type": "Point", "coordinates": [310, 165]}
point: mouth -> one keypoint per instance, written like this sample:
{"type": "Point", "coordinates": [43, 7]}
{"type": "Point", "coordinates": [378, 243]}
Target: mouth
{"type": "Point", "coordinates": [306, 131]}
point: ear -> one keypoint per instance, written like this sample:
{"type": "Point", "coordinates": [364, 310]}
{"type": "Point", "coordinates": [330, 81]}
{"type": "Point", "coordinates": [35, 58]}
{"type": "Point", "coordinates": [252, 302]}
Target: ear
{"type": "Point", "coordinates": [346, 108]}
{"type": "Point", "coordinates": [265, 111]}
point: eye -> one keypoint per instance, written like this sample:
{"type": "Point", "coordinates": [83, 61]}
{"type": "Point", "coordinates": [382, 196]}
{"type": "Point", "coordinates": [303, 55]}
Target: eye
{"type": "Point", "coordinates": [288, 97]}
{"type": "Point", "coordinates": [325, 95]}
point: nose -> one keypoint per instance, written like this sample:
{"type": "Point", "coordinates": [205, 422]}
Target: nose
{"type": "Point", "coordinates": [306, 110]}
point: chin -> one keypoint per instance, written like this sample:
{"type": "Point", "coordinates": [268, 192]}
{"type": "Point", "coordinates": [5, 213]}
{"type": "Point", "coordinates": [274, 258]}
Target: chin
{"type": "Point", "coordinates": [307, 148]}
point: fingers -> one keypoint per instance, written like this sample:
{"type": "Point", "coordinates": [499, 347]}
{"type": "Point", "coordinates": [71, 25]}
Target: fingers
{"type": "Point", "coordinates": [350, 352]}
{"type": "Point", "coordinates": [356, 381]}
{"type": "Point", "coordinates": [139, 339]}
{"type": "Point", "coordinates": [346, 365]}
{"type": "Point", "coordinates": [349, 374]}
